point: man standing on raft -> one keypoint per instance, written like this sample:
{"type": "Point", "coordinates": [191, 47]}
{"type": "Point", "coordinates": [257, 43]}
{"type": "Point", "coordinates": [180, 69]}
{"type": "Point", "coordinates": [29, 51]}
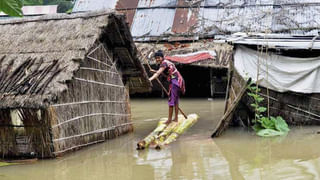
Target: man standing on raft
{"type": "Point", "coordinates": [176, 81]}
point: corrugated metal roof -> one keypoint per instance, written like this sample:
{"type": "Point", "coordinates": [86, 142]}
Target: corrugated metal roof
{"type": "Point", "coordinates": [128, 8]}
{"type": "Point", "coordinates": [219, 21]}
{"type": "Point", "coordinates": [276, 41]}
{"type": "Point", "coordinates": [292, 17]}
{"type": "Point", "coordinates": [90, 5]}
{"type": "Point", "coordinates": [185, 19]}
{"type": "Point", "coordinates": [127, 4]}
{"type": "Point", "coordinates": [157, 3]}
{"type": "Point", "coordinates": [295, 1]}
{"type": "Point", "coordinates": [191, 19]}
{"type": "Point", "coordinates": [152, 22]}
{"type": "Point", "coordinates": [237, 2]}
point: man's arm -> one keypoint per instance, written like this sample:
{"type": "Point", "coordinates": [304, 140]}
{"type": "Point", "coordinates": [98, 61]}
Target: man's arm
{"type": "Point", "coordinates": [155, 75]}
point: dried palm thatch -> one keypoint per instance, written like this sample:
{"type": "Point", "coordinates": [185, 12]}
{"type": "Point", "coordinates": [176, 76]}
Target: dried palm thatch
{"type": "Point", "coordinates": [64, 82]}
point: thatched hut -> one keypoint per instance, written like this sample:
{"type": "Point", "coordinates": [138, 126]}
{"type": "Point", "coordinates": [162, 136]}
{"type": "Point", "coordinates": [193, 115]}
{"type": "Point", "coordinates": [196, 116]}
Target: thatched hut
{"type": "Point", "coordinates": [65, 81]}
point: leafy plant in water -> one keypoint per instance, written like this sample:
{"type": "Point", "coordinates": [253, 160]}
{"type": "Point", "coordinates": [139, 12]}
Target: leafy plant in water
{"type": "Point", "coordinates": [265, 126]}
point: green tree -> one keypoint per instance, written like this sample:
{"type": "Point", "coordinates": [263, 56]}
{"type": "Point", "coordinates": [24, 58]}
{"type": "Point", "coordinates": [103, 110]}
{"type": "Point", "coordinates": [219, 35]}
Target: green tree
{"type": "Point", "coordinates": [11, 7]}
{"type": "Point", "coordinates": [32, 2]}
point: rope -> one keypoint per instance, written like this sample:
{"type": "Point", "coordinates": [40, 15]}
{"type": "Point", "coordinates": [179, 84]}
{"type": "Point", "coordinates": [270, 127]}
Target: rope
{"type": "Point", "coordinates": [86, 102]}
{"type": "Point", "coordinates": [101, 83]}
{"type": "Point", "coordinates": [92, 132]}
{"type": "Point", "coordinates": [99, 70]}
{"type": "Point", "coordinates": [88, 115]}
{"type": "Point", "coordinates": [97, 60]}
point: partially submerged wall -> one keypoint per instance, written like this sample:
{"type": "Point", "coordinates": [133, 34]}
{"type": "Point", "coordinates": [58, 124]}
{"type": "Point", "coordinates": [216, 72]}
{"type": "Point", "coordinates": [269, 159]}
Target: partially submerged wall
{"type": "Point", "coordinates": [95, 107]}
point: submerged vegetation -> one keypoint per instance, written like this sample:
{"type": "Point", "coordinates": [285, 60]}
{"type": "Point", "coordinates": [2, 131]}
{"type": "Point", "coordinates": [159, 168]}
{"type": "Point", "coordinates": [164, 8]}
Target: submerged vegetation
{"type": "Point", "coordinates": [2, 163]}
{"type": "Point", "coordinates": [264, 125]}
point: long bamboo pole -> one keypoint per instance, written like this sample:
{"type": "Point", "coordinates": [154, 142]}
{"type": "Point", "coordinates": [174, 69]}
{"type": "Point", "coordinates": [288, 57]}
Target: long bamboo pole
{"type": "Point", "coordinates": [164, 89]}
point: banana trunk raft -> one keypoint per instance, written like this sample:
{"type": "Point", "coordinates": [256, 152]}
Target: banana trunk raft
{"type": "Point", "coordinates": [165, 134]}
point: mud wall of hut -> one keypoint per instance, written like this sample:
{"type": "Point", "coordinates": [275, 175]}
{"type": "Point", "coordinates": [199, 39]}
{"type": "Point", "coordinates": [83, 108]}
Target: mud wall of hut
{"type": "Point", "coordinates": [95, 107]}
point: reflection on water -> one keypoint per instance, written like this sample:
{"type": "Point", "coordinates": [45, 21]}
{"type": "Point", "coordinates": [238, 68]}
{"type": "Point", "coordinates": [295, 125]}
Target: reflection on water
{"type": "Point", "coordinates": [237, 154]}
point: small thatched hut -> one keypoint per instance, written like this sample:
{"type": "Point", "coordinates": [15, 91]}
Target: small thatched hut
{"type": "Point", "coordinates": [64, 82]}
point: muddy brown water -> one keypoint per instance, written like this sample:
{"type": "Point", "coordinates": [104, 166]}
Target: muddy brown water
{"type": "Point", "coordinates": [237, 154]}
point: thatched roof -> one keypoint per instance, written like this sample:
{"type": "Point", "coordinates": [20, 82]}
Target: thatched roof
{"type": "Point", "coordinates": [39, 55]}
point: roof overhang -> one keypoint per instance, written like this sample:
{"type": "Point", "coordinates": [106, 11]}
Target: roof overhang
{"type": "Point", "coordinates": [276, 41]}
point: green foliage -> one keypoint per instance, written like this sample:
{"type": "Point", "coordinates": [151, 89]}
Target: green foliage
{"type": "Point", "coordinates": [281, 124]}
{"type": "Point", "coordinates": [265, 126]}
{"type": "Point", "coordinates": [32, 2]}
{"type": "Point", "coordinates": [11, 7]}
{"type": "Point", "coordinates": [64, 6]}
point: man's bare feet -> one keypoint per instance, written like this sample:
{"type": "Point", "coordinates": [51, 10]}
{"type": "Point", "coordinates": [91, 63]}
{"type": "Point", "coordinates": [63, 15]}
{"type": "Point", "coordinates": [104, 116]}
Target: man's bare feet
{"type": "Point", "coordinates": [167, 122]}
{"type": "Point", "coordinates": [175, 120]}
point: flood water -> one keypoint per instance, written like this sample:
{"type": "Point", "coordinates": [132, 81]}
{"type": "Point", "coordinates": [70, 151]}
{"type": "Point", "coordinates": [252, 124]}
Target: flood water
{"type": "Point", "coordinates": [237, 154]}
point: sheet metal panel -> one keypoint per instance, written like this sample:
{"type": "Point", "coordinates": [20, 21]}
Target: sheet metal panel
{"type": "Point", "coordinates": [157, 3]}
{"type": "Point", "coordinates": [185, 20]}
{"type": "Point", "coordinates": [295, 18]}
{"type": "Point", "coordinates": [152, 22]}
{"type": "Point", "coordinates": [127, 4]}
{"type": "Point", "coordinates": [279, 2]}
{"type": "Point", "coordinates": [248, 19]}
{"type": "Point", "coordinates": [282, 45]}
{"type": "Point", "coordinates": [237, 2]}
{"type": "Point", "coordinates": [127, 7]}
{"type": "Point", "coordinates": [91, 5]}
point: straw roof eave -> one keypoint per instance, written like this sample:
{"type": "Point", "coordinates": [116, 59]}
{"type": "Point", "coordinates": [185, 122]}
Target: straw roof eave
{"type": "Point", "coordinates": [43, 53]}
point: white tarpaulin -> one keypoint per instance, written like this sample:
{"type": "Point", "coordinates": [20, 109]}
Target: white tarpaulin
{"type": "Point", "coordinates": [280, 73]}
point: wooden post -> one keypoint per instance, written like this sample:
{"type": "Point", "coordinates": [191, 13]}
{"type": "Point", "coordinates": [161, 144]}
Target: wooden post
{"type": "Point", "coordinates": [212, 87]}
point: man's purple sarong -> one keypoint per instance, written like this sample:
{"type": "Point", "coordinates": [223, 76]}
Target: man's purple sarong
{"type": "Point", "coordinates": [174, 95]}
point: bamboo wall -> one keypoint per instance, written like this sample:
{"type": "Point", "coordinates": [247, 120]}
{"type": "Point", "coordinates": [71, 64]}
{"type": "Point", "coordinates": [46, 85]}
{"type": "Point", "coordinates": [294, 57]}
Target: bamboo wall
{"type": "Point", "coordinates": [25, 132]}
{"type": "Point", "coordinates": [95, 107]}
